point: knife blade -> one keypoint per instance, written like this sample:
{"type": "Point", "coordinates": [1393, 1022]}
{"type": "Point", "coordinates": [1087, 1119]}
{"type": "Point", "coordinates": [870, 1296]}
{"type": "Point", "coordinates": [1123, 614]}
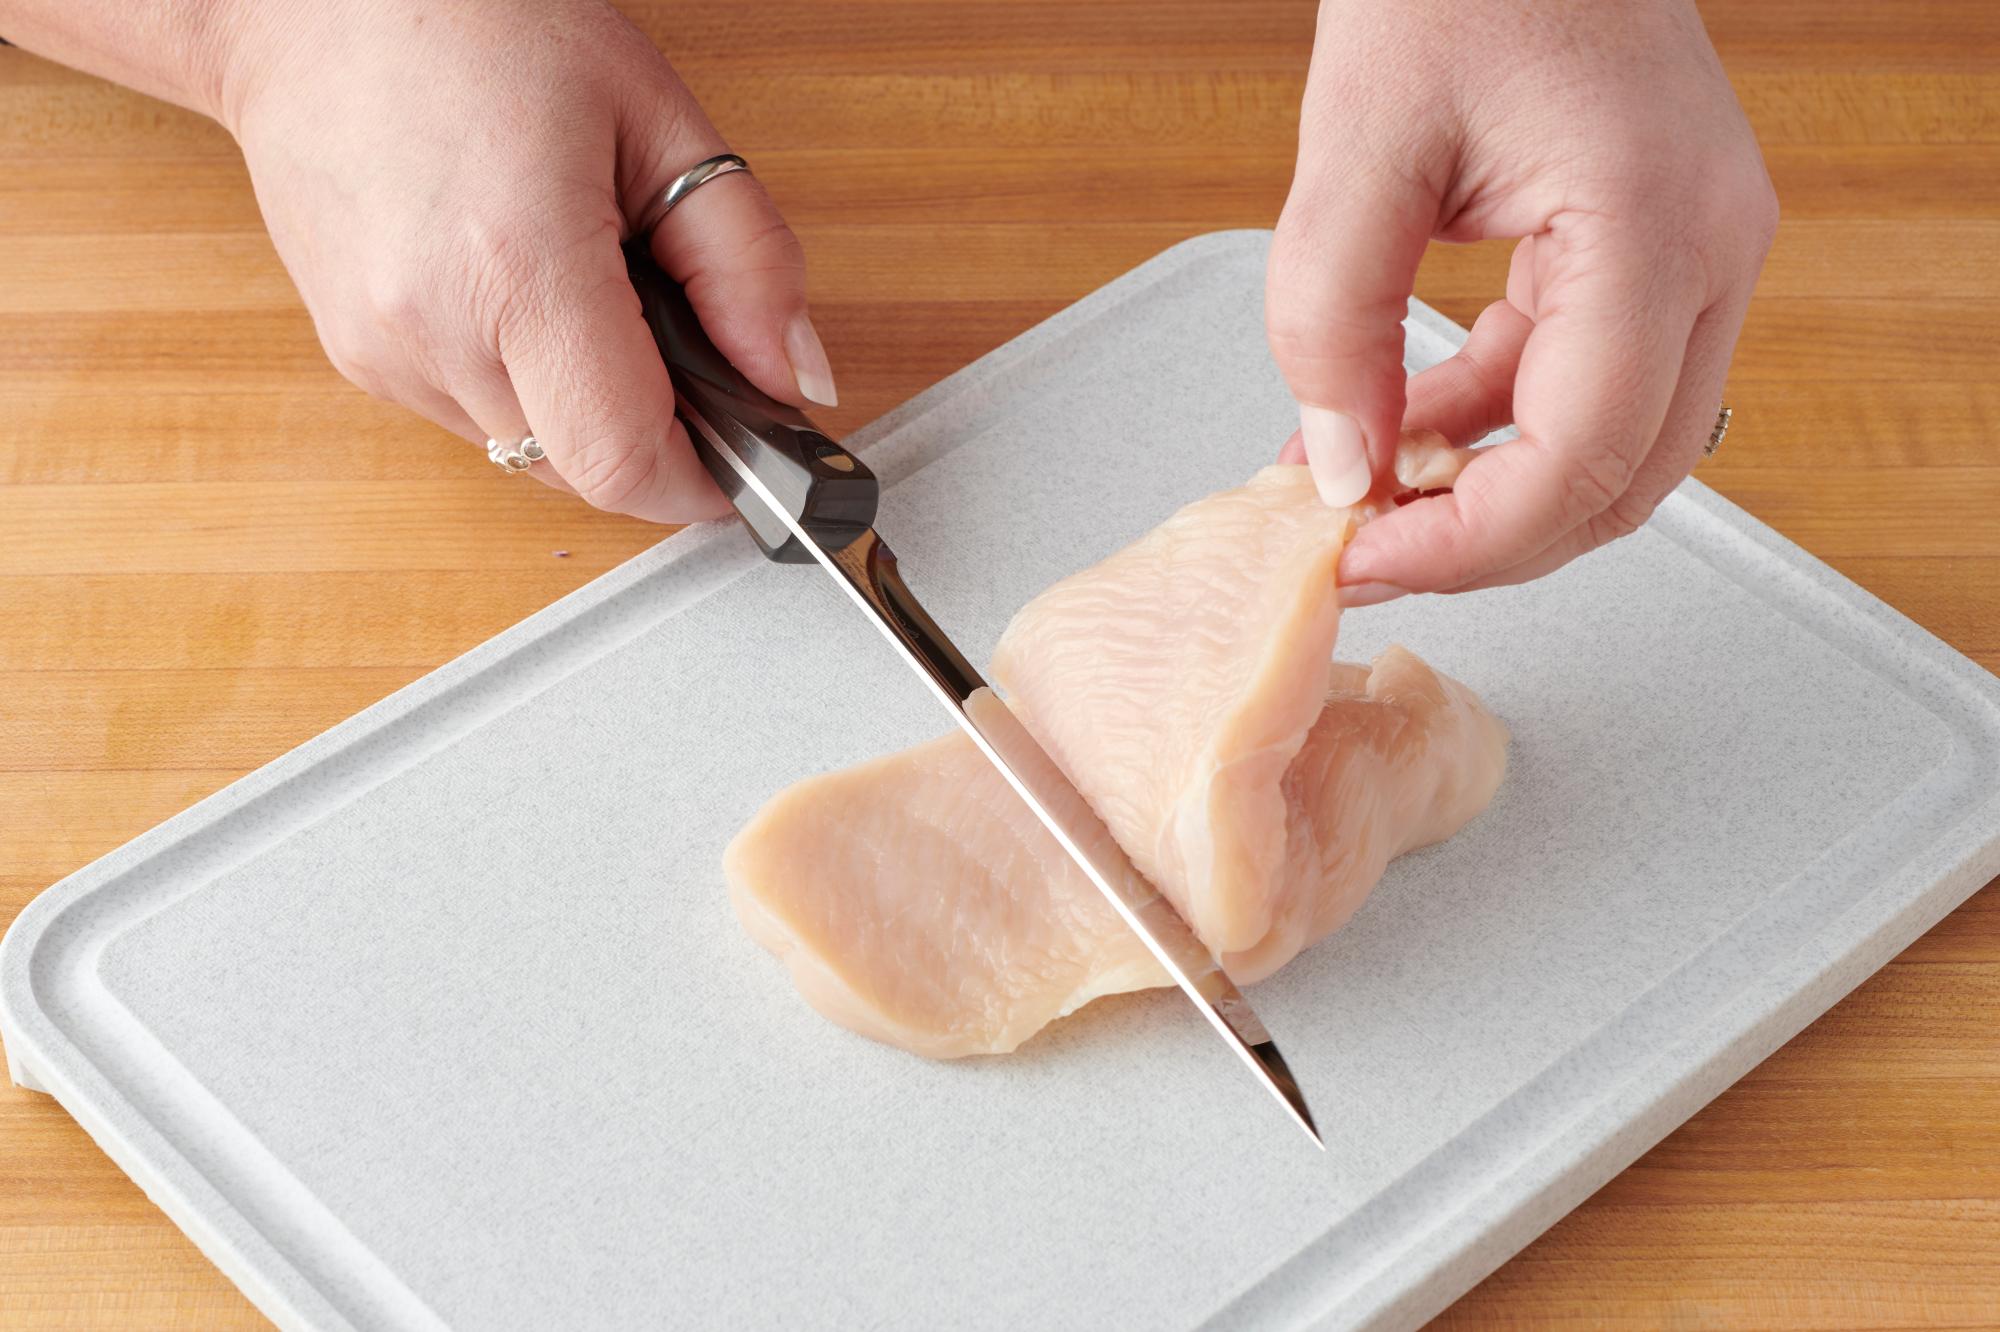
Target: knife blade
{"type": "Point", "coordinates": [806, 500]}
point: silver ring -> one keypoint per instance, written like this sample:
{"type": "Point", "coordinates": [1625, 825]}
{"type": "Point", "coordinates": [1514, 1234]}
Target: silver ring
{"type": "Point", "coordinates": [696, 176]}
{"type": "Point", "coordinates": [515, 457]}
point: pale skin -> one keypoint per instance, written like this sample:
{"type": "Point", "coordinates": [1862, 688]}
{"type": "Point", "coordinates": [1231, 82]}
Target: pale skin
{"type": "Point", "coordinates": [448, 185]}
{"type": "Point", "coordinates": [1605, 136]}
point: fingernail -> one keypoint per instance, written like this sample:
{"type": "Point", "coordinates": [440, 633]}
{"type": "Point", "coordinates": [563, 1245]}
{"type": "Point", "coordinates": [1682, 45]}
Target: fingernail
{"type": "Point", "coordinates": [1337, 455]}
{"type": "Point", "coordinates": [1370, 594]}
{"type": "Point", "coordinates": [809, 364]}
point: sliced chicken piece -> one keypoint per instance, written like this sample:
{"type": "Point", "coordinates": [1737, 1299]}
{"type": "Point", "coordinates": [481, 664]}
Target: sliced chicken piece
{"type": "Point", "coordinates": [1183, 684]}
{"type": "Point", "coordinates": [1175, 681]}
{"type": "Point", "coordinates": [1400, 757]}
{"type": "Point", "coordinates": [917, 901]}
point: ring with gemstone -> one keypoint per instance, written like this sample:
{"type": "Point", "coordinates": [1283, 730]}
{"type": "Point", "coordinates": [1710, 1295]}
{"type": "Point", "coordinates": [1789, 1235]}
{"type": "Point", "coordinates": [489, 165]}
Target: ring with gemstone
{"type": "Point", "coordinates": [515, 457]}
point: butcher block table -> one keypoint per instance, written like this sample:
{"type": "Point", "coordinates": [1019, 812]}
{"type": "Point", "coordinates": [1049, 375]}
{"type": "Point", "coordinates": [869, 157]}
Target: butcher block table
{"type": "Point", "coordinates": [212, 548]}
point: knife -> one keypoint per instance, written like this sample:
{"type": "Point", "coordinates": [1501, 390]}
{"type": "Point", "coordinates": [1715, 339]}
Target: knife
{"type": "Point", "coordinates": [807, 500]}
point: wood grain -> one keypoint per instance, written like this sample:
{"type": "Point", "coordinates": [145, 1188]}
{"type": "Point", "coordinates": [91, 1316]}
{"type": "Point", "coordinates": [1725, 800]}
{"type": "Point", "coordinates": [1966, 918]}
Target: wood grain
{"type": "Point", "coordinates": [211, 548]}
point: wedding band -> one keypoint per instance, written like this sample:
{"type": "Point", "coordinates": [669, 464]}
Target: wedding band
{"type": "Point", "coordinates": [696, 176]}
{"type": "Point", "coordinates": [1715, 435]}
{"type": "Point", "coordinates": [515, 457]}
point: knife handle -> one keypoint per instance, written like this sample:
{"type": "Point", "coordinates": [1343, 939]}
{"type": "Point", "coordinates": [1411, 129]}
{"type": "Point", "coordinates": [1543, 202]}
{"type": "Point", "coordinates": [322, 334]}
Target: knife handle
{"type": "Point", "coordinates": [741, 432]}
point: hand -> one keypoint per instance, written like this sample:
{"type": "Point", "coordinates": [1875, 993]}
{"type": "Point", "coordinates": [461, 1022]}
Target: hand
{"type": "Point", "coordinates": [1607, 138]}
{"type": "Point", "coordinates": [448, 186]}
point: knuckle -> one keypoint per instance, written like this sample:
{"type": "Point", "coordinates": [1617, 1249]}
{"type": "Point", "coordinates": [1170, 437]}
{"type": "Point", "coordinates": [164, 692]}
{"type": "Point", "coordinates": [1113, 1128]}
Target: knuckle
{"type": "Point", "coordinates": [395, 295]}
{"type": "Point", "coordinates": [373, 384]}
{"type": "Point", "coordinates": [774, 247]}
{"type": "Point", "coordinates": [1620, 519]}
{"type": "Point", "coordinates": [1473, 509]}
{"type": "Point", "coordinates": [770, 249]}
{"type": "Point", "coordinates": [609, 471]}
{"type": "Point", "coordinates": [498, 246]}
{"type": "Point", "coordinates": [1635, 171]}
{"type": "Point", "coordinates": [1594, 482]}
{"type": "Point", "coordinates": [1302, 332]}
{"type": "Point", "coordinates": [356, 362]}
{"type": "Point", "coordinates": [1405, 140]}
{"type": "Point", "coordinates": [502, 261]}
{"type": "Point", "coordinates": [1288, 282]}
{"type": "Point", "coordinates": [1458, 544]}
{"type": "Point", "coordinates": [1739, 205]}
{"type": "Point", "coordinates": [532, 286]}
{"type": "Point", "coordinates": [1763, 215]}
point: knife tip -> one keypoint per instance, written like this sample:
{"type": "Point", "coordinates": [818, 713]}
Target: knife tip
{"type": "Point", "coordinates": [1297, 1105]}
{"type": "Point", "coordinates": [1278, 1077]}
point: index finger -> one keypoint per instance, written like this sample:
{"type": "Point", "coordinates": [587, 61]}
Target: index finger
{"type": "Point", "coordinates": [1613, 310]}
{"type": "Point", "coordinates": [596, 393]}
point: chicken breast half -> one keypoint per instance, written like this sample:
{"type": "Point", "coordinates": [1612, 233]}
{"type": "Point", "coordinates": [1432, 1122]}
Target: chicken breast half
{"type": "Point", "coordinates": [1186, 685]}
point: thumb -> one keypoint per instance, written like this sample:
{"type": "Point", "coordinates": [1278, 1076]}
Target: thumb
{"type": "Point", "coordinates": [1337, 289]}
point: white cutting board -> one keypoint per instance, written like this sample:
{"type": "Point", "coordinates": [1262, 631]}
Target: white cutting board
{"type": "Point", "coordinates": [443, 1019]}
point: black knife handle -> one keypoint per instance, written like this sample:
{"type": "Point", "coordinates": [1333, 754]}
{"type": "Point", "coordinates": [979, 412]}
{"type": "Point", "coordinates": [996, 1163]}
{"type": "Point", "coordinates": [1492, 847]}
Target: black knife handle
{"type": "Point", "coordinates": [824, 488]}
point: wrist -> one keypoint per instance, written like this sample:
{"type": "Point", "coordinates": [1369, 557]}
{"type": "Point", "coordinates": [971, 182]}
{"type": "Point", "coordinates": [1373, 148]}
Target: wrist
{"type": "Point", "coordinates": [240, 45]}
{"type": "Point", "coordinates": [211, 30]}
{"type": "Point", "coordinates": [173, 49]}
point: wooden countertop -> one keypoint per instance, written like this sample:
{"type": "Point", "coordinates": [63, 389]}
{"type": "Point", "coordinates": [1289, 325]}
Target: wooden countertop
{"type": "Point", "coordinates": [211, 548]}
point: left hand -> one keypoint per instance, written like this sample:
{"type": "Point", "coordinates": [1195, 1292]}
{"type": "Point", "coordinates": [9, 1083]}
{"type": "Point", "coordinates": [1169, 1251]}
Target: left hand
{"type": "Point", "coordinates": [1606, 136]}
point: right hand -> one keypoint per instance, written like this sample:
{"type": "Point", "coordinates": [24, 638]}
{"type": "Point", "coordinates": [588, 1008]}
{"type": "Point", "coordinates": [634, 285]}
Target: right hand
{"type": "Point", "coordinates": [448, 187]}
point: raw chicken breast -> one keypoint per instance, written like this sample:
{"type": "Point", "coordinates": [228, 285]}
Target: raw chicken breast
{"type": "Point", "coordinates": [1187, 687]}
{"type": "Point", "coordinates": [1175, 682]}
{"type": "Point", "coordinates": [917, 901]}
{"type": "Point", "coordinates": [1399, 757]}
